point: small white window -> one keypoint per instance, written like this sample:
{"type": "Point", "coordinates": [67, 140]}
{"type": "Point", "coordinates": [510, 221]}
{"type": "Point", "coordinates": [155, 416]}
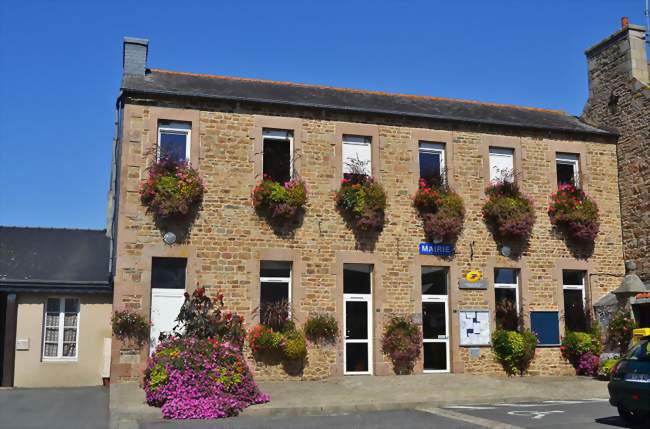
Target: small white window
{"type": "Point", "coordinates": [278, 154]}
{"type": "Point", "coordinates": [275, 287]}
{"type": "Point", "coordinates": [174, 140]}
{"type": "Point", "coordinates": [568, 169]}
{"type": "Point", "coordinates": [502, 165]}
{"type": "Point", "coordinates": [432, 162]}
{"type": "Point", "coordinates": [61, 329]}
{"type": "Point", "coordinates": [506, 296]}
{"type": "Point", "coordinates": [357, 152]}
{"type": "Point", "coordinates": [573, 289]}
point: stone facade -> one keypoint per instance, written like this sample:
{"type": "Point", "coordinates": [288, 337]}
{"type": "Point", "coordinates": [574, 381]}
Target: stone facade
{"type": "Point", "coordinates": [227, 241]}
{"type": "Point", "coordinates": [619, 99]}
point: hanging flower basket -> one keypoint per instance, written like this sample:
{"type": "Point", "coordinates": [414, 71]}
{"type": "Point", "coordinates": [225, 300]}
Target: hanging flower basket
{"type": "Point", "coordinates": [508, 212]}
{"type": "Point", "coordinates": [364, 201]}
{"type": "Point", "coordinates": [172, 190]}
{"type": "Point", "coordinates": [573, 212]}
{"type": "Point", "coordinates": [280, 201]}
{"type": "Point", "coordinates": [441, 210]}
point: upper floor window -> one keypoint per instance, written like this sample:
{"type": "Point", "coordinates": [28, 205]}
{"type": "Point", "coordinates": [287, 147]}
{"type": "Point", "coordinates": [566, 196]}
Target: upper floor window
{"type": "Point", "coordinates": [573, 289]}
{"type": "Point", "coordinates": [277, 154]}
{"type": "Point", "coordinates": [357, 155]}
{"type": "Point", "coordinates": [568, 169]}
{"type": "Point", "coordinates": [61, 330]}
{"type": "Point", "coordinates": [432, 162]}
{"type": "Point", "coordinates": [506, 298]}
{"type": "Point", "coordinates": [275, 291]}
{"type": "Point", "coordinates": [502, 164]}
{"type": "Point", "coordinates": [174, 140]}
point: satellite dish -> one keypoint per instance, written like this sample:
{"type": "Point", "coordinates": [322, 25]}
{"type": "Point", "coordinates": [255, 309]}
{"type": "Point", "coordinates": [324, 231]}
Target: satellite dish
{"type": "Point", "coordinates": [169, 238]}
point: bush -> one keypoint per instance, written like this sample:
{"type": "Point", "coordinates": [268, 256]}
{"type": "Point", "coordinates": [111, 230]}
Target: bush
{"type": "Point", "coordinates": [508, 213]}
{"type": "Point", "coordinates": [193, 378]}
{"type": "Point", "coordinates": [402, 342]}
{"type": "Point", "coordinates": [514, 350]}
{"type": "Point", "coordinates": [588, 364]}
{"type": "Point", "coordinates": [572, 211]}
{"type": "Point", "coordinates": [280, 201]}
{"type": "Point", "coordinates": [576, 344]}
{"type": "Point", "coordinates": [295, 345]}
{"type": "Point", "coordinates": [322, 328]}
{"type": "Point", "coordinates": [129, 325]}
{"type": "Point", "coordinates": [619, 331]}
{"type": "Point", "coordinates": [173, 189]}
{"type": "Point", "coordinates": [202, 317]}
{"type": "Point", "coordinates": [606, 366]}
{"type": "Point", "coordinates": [441, 210]}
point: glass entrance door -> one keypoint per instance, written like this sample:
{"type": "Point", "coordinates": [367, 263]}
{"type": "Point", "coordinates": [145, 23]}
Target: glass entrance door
{"type": "Point", "coordinates": [357, 301]}
{"type": "Point", "coordinates": [435, 319]}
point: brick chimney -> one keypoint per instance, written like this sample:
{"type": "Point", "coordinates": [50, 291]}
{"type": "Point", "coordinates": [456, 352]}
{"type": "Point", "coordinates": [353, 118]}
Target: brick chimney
{"type": "Point", "coordinates": [134, 55]}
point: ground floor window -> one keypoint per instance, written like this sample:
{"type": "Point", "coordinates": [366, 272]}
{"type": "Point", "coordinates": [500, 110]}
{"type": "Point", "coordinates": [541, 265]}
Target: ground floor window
{"type": "Point", "coordinates": [506, 298]}
{"type": "Point", "coordinates": [275, 292]}
{"type": "Point", "coordinates": [573, 289]}
{"type": "Point", "coordinates": [435, 326]}
{"type": "Point", "coordinates": [61, 328]}
{"type": "Point", "coordinates": [357, 296]}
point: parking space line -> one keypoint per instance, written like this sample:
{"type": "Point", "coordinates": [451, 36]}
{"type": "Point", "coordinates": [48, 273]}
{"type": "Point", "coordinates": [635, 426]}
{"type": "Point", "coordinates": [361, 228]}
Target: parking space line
{"type": "Point", "coordinates": [478, 421]}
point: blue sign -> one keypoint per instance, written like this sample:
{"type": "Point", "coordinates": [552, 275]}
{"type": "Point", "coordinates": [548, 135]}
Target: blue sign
{"type": "Point", "coordinates": [546, 325]}
{"type": "Point", "coordinates": [436, 249]}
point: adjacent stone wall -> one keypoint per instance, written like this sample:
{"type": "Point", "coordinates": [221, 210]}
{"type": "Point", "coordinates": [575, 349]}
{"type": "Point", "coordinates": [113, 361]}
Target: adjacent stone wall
{"type": "Point", "coordinates": [619, 98]}
{"type": "Point", "coordinates": [228, 239]}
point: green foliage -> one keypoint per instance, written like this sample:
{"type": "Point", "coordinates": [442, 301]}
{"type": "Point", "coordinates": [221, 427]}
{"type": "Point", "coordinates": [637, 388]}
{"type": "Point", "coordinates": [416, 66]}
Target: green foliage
{"type": "Point", "coordinates": [606, 366]}
{"type": "Point", "coordinates": [280, 201]}
{"type": "Point", "coordinates": [322, 328]}
{"type": "Point", "coordinates": [295, 345]}
{"type": "Point", "coordinates": [263, 339]}
{"type": "Point", "coordinates": [620, 330]}
{"type": "Point", "coordinates": [508, 212]}
{"type": "Point", "coordinates": [575, 344]}
{"type": "Point", "coordinates": [129, 325]}
{"type": "Point", "coordinates": [364, 200]}
{"type": "Point", "coordinates": [574, 212]}
{"type": "Point", "coordinates": [442, 211]}
{"type": "Point", "coordinates": [402, 341]}
{"type": "Point", "coordinates": [514, 350]}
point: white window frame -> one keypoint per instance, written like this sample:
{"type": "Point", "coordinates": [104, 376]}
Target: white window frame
{"type": "Point", "coordinates": [279, 135]}
{"type": "Point", "coordinates": [59, 356]}
{"type": "Point", "coordinates": [572, 159]}
{"type": "Point", "coordinates": [356, 140]}
{"type": "Point", "coordinates": [501, 152]}
{"type": "Point", "coordinates": [187, 132]}
{"type": "Point", "coordinates": [445, 300]}
{"type": "Point", "coordinates": [580, 287]}
{"type": "Point", "coordinates": [514, 286]}
{"type": "Point", "coordinates": [283, 280]}
{"type": "Point", "coordinates": [359, 297]}
{"type": "Point", "coordinates": [436, 148]}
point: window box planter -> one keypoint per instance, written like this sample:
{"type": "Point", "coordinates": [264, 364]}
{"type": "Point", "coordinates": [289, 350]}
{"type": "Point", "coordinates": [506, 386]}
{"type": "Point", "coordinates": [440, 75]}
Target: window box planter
{"type": "Point", "coordinates": [173, 189]}
{"type": "Point", "coordinates": [509, 213]}
{"type": "Point", "coordinates": [280, 202]}
{"type": "Point", "coordinates": [441, 210]}
{"type": "Point", "coordinates": [363, 201]}
{"type": "Point", "coordinates": [574, 213]}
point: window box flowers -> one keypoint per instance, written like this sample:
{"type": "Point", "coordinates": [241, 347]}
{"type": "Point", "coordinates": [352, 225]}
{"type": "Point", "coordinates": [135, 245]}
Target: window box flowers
{"type": "Point", "coordinates": [573, 212]}
{"type": "Point", "coordinates": [129, 325]}
{"type": "Point", "coordinates": [363, 200]}
{"type": "Point", "coordinates": [441, 210]}
{"type": "Point", "coordinates": [280, 201]}
{"type": "Point", "coordinates": [173, 189]}
{"type": "Point", "coordinates": [508, 212]}
{"type": "Point", "coordinates": [289, 344]}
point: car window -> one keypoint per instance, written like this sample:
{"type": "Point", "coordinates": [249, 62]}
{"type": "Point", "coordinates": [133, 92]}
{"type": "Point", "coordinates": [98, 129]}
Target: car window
{"type": "Point", "coordinates": [640, 352]}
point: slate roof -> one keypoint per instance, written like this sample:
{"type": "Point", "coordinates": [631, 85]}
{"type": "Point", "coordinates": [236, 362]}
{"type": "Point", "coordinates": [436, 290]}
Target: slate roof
{"type": "Point", "coordinates": [34, 259]}
{"type": "Point", "coordinates": [162, 82]}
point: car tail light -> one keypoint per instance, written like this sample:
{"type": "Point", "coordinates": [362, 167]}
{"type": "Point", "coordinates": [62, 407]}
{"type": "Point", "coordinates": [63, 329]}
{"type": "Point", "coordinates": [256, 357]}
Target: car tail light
{"type": "Point", "coordinates": [635, 397]}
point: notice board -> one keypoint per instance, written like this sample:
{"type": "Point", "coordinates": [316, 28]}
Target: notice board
{"type": "Point", "coordinates": [474, 328]}
{"type": "Point", "coordinates": [546, 324]}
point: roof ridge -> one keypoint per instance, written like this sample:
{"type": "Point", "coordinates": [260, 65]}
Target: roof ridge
{"type": "Point", "coordinates": [363, 91]}
{"type": "Point", "coordinates": [51, 228]}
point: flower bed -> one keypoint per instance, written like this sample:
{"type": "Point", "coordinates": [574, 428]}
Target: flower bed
{"type": "Point", "coordinates": [173, 189]}
{"type": "Point", "coordinates": [572, 211]}
{"type": "Point", "coordinates": [441, 210]}
{"type": "Point", "coordinates": [508, 212]}
{"type": "Point", "coordinates": [514, 350]}
{"type": "Point", "coordinates": [364, 200]}
{"type": "Point", "coordinates": [280, 201]}
{"type": "Point", "coordinates": [193, 378]}
{"type": "Point", "coordinates": [579, 348]}
{"type": "Point", "coordinates": [402, 342]}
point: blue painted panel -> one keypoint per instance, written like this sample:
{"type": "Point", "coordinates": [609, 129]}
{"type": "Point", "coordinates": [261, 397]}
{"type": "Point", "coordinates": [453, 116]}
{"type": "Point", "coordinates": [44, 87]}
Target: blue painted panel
{"type": "Point", "coordinates": [546, 324]}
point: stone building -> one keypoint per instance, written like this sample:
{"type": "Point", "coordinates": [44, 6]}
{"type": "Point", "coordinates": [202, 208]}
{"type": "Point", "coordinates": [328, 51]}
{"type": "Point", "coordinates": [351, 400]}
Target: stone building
{"type": "Point", "coordinates": [225, 127]}
{"type": "Point", "coordinates": [619, 100]}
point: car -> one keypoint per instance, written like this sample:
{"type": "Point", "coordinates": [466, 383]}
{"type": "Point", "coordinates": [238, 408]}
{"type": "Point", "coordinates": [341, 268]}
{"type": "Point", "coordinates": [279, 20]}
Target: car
{"type": "Point", "coordinates": [629, 387]}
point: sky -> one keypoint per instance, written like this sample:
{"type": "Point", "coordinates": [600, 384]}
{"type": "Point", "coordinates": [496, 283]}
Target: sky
{"type": "Point", "coordinates": [60, 69]}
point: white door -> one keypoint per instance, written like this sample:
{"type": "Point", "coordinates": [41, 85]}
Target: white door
{"type": "Point", "coordinates": [165, 306]}
{"type": "Point", "coordinates": [357, 353]}
{"type": "Point", "coordinates": [435, 330]}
